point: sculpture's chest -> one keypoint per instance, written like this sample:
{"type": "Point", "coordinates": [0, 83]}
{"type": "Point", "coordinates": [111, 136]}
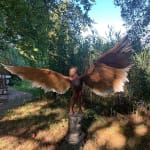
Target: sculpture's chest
{"type": "Point", "coordinates": [77, 84]}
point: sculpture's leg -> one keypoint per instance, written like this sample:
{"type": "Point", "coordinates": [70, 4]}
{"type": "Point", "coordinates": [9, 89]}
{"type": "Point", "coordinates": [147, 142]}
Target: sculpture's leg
{"type": "Point", "coordinates": [72, 103]}
{"type": "Point", "coordinates": [80, 102]}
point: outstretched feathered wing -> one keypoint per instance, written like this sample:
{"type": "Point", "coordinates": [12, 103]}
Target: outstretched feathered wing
{"type": "Point", "coordinates": [46, 79]}
{"type": "Point", "coordinates": [109, 73]}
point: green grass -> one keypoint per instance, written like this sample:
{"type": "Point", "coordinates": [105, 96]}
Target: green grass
{"type": "Point", "coordinates": [43, 124]}
{"type": "Point", "coordinates": [121, 131]}
{"type": "Point", "coordinates": [26, 86]}
{"type": "Point", "coordinates": [35, 125]}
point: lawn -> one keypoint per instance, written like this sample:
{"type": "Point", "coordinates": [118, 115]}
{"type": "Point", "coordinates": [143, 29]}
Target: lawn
{"type": "Point", "coordinates": [35, 125]}
{"type": "Point", "coordinates": [121, 132]}
{"type": "Point", "coordinates": [42, 124]}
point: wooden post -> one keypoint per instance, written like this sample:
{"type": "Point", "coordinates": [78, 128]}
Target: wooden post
{"type": "Point", "coordinates": [75, 137]}
{"type": "Point", "coordinates": [4, 80]}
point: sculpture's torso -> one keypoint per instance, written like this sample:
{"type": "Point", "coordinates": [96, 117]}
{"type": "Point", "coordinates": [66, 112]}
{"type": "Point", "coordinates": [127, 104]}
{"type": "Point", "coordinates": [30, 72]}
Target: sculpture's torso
{"type": "Point", "coordinates": [77, 84]}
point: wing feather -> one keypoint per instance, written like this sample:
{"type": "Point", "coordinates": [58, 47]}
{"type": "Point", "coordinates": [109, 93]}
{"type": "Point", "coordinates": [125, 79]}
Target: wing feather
{"type": "Point", "coordinates": [109, 73]}
{"type": "Point", "coordinates": [46, 79]}
{"type": "Point", "coordinates": [118, 56]}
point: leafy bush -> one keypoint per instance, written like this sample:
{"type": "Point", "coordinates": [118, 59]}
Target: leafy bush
{"type": "Point", "coordinates": [139, 86]}
{"type": "Point", "coordinates": [13, 57]}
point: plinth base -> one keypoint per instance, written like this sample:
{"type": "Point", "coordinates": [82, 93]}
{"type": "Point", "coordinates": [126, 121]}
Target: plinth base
{"type": "Point", "coordinates": [75, 137]}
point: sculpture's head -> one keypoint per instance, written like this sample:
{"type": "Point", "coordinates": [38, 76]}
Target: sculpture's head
{"type": "Point", "coordinates": [73, 71]}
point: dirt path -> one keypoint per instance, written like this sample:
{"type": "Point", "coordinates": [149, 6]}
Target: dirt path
{"type": "Point", "coordinates": [14, 98]}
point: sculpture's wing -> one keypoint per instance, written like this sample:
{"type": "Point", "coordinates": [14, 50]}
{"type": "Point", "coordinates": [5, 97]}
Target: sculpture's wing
{"type": "Point", "coordinates": [46, 79]}
{"type": "Point", "coordinates": [109, 73]}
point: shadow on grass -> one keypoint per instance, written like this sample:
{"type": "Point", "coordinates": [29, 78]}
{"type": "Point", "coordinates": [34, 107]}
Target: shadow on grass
{"type": "Point", "coordinates": [29, 123]}
{"type": "Point", "coordinates": [43, 125]}
{"type": "Point", "coordinates": [35, 125]}
{"type": "Point", "coordinates": [113, 125]}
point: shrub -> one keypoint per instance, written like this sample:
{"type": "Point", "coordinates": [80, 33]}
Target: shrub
{"type": "Point", "coordinates": [139, 76]}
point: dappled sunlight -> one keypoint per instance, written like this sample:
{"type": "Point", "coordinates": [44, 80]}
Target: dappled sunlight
{"type": "Point", "coordinates": [90, 145]}
{"type": "Point", "coordinates": [27, 144]}
{"type": "Point", "coordinates": [117, 141]}
{"type": "Point", "coordinates": [11, 142]}
{"type": "Point", "coordinates": [110, 136]}
{"type": "Point", "coordinates": [106, 133]}
{"type": "Point", "coordinates": [43, 125]}
{"type": "Point", "coordinates": [7, 142]}
{"type": "Point", "coordinates": [98, 124]}
{"type": "Point", "coordinates": [61, 113]}
{"type": "Point", "coordinates": [141, 130]}
{"type": "Point", "coordinates": [136, 118]}
{"type": "Point", "coordinates": [35, 125]}
{"type": "Point", "coordinates": [119, 132]}
{"type": "Point", "coordinates": [54, 134]}
{"type": "Point", "coordinates": [32, 108]}
{"type": "Point", "coordinates": [43, 138]}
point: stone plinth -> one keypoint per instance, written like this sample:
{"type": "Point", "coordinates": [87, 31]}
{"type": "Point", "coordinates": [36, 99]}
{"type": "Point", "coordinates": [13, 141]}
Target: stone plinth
{"type": "Point", "coordinates": [75, 137]}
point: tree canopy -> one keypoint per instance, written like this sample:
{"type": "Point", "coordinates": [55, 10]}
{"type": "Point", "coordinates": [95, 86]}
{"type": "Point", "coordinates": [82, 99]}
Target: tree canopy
{"type": "Point", "coordinates": [136, 14]}
{"type": "Point", "coordinates": [44, 31]}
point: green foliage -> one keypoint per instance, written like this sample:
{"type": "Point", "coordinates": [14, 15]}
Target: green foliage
{"type": "Point", "coordinates": [46, 33]}
{"type": "Point", "coordinates": [12, 56]}
{"type": "Point", "coordinates": [136, 14]}
{"type": "Point", "coordinates": [93, 46]}
{"type": "Point", "coordinates": [139, 86]}
{"type": "Point", "coordinates": [27, 87]}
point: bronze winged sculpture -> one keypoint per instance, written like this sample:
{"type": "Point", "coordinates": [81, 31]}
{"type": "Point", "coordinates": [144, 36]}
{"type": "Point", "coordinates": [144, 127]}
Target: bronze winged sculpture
{"type": "Point", "coordinates": [107, 75]}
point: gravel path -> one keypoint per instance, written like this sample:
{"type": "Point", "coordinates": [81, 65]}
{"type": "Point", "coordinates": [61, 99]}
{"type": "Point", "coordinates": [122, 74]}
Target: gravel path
{"type": "Point", "coordinates": [14, 98]}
